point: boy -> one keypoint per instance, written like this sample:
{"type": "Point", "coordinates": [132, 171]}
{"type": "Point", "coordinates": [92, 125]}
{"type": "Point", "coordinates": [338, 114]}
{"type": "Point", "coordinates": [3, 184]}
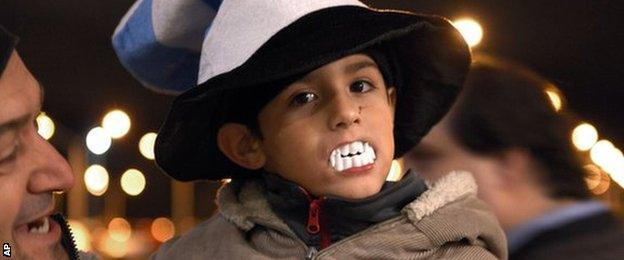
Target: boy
{"type": "Point", "coordinates": [296, 104]}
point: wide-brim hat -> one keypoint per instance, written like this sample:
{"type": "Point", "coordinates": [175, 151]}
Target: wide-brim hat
{"type": "Point", "coordinates": [253, 43]}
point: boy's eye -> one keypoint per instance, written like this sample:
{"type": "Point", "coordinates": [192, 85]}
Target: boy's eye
{"type": "Point", "coordinates": [303, 98]}
{"type": "Point", "coordinates": [361, 86]}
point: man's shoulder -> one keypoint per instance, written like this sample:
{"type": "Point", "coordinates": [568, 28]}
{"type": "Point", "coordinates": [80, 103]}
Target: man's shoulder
{"type": "Point", "coordinates": [599, 236]}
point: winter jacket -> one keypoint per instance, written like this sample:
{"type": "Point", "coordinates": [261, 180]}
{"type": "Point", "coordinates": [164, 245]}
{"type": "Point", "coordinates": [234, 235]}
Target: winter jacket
{"type": "Point", "coordinates": [445, 222]}
{"type": "Point", "coordinates": [598, 236]}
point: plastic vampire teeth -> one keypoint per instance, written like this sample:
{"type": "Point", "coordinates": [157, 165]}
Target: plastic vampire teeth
{"type": "Point", "coordinates": [354, 154]}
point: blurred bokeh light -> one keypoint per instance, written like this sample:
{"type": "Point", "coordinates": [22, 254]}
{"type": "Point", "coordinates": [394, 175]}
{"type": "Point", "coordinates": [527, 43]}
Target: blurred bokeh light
{"type": "Point", "coordinates": [598, 182]}
{"type": "Point", "coordinates": [600, 152]}
{"type": "Point", "coordinates": [610, 159]}
{"type": "Point", "coordinates": [112, 247]}
{"type": "Point", "coordinates": [81, 233]}
{"type": "Point", "coordinates": [162, 229]}
{"type": "Point", "coordinates": [98, 140]}
{"type": "Point", "coordinates": [471, 30]}
{"type": "Point", "coordinates": [555, 99]}
{"type": "Point", "coordinates": [45, 126]}
{"type": "Point", "coordinates": [96, 179]}
{"type": "Point", "coordinates": [584, 136]}
{"type": "Point", "coordinates": [396, 170]}
{"type": "Point", "coordinates": [133, 182]}
{"type": "Point", "coordinates": [116, 123]}
{"type": "Point", "coordinates": [146, 145]}
{"type": "Point", "coordinates": [119, 229]}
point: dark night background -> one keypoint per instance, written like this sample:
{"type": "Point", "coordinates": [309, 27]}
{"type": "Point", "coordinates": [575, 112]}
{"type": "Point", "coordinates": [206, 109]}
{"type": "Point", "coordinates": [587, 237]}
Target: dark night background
{"type": "Point", "coordinates": [66, 44]}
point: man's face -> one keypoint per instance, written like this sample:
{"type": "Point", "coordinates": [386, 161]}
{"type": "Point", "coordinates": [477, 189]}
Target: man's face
{"type": "Point", "coordinates": [30, 170]}
{"type": "Point", "coordinates": [438, 154]}
{"type": "Point", "coordinates": [332, 131]}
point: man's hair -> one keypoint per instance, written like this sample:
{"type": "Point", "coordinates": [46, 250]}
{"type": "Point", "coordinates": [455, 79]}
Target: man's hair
{"type": "Point", "coordinates": [7, 43]}
{"type": "Point", "coordinates": [504, 106]}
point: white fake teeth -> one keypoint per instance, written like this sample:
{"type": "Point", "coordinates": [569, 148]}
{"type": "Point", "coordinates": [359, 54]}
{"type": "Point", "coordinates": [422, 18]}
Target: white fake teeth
{"type": "Point", "coordinates": [41, 226]}
{"type": "Point", "coordinates": [354, 154]}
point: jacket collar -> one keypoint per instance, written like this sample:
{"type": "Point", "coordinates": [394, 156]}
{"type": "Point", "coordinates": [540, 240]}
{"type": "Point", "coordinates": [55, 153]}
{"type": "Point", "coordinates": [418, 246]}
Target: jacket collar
{"type": "Point", "coordinates": [244, 203]}
{"type": "Point", "coordinates": [451, 187]}
{"type": "Point", "coordinates": [320, 221]}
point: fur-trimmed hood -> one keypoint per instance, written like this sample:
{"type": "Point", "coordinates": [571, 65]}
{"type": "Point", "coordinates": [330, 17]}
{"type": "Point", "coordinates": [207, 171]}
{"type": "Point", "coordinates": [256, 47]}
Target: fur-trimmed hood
{"type": "Point", "coordinates": [244, 203]}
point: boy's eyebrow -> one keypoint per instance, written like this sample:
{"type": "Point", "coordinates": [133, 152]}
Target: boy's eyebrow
{"type": "Point", "coordinates": [354, 67]}
{"type": "Point", "coordinates": [350, 68]}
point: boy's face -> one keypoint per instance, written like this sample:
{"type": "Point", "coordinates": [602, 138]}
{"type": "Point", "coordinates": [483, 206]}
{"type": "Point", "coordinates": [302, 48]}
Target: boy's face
{"type": "Point", "coordinates": [331, 132]}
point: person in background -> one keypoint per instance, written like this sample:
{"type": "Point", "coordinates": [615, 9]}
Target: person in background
{"type": "Point", "coordinates": [31, 170]}
{"type": "Point", "coordinates": [506, 132]}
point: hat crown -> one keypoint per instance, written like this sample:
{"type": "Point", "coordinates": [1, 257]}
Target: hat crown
{"type": "Point", "coordinates": [241, 27]}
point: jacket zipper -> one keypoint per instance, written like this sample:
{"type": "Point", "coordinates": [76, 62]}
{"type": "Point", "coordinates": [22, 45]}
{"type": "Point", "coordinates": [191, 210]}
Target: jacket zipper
{"type": "Point", "coordinates": [314, 214]}
{"type": "Point", "coordinates": [67, 238]}
{"type": "Point", "coordinates": [316, 222]}
{"type": "Point", "coordinates": [311, 253]}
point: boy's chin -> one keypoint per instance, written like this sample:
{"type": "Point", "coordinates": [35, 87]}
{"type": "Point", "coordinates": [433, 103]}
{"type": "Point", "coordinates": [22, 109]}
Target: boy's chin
{"type": "Point", "coordinates": [356, 191]}
{"type": "Point", "coordinates": [356, 186]}
{"type": "Point", "coordinates": [357, 195]}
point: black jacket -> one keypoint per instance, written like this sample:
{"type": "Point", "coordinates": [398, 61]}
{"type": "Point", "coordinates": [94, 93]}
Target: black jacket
{"type": "Point", "coordinates": [597, 236]}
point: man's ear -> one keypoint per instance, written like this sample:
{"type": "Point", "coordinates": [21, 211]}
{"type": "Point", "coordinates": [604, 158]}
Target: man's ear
{"type": "Point", "coordinates": [238, 143]}
{"type": "Point", "coordinates": [518, 166]}
{"type": "Point", "coordinates": [392, 97]}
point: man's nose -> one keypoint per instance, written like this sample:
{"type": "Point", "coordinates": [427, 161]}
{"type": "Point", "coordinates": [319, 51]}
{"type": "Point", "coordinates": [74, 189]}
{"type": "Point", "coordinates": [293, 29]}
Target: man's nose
{"type": "Point", "coordinates": [344, 112]}
{"type": "Point", "coordinates": [49, 170]}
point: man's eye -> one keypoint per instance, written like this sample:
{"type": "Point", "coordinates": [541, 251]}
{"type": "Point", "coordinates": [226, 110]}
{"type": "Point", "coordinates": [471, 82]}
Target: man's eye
{"type": "Point", "coordinates": [361, 86]}
{"type": "Point", "coordinates": [303, 98]}
{"type": "Point", "coordinates": [9, 158]}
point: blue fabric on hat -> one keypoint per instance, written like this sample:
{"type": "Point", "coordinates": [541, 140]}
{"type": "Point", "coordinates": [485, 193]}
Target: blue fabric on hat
{"type": "Point", "coordinates": [155, 64]}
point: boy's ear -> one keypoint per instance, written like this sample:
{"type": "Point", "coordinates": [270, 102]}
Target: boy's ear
{"type": "Point", "coordinates": [240, 146]}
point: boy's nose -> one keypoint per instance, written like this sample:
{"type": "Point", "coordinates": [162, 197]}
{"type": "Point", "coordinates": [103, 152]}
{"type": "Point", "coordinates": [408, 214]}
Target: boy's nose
{"type": "Point", "coordinates": [49, 171]}
{"type": "Point", "coordinates": [344, 113]}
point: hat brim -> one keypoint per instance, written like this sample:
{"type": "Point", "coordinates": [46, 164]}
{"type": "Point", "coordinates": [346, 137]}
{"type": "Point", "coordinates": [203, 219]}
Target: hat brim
{"type": "Point", "coordinates": [433, 57]}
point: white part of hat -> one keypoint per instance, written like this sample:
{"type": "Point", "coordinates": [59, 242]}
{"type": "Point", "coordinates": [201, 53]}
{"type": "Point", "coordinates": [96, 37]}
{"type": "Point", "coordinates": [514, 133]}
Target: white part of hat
{"type": "Point", "coordinates": [241, 27]}
{"type": "Point", "coordinates": [181, 23]}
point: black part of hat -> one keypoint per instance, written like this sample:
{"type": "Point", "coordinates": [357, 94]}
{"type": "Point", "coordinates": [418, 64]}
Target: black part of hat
{"type": "Point", "coordinates": [387, 66]}
{"type": "Point", "coordinates": [7, 44]}
{"type": "Point", "coordinates": [431, 53]}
